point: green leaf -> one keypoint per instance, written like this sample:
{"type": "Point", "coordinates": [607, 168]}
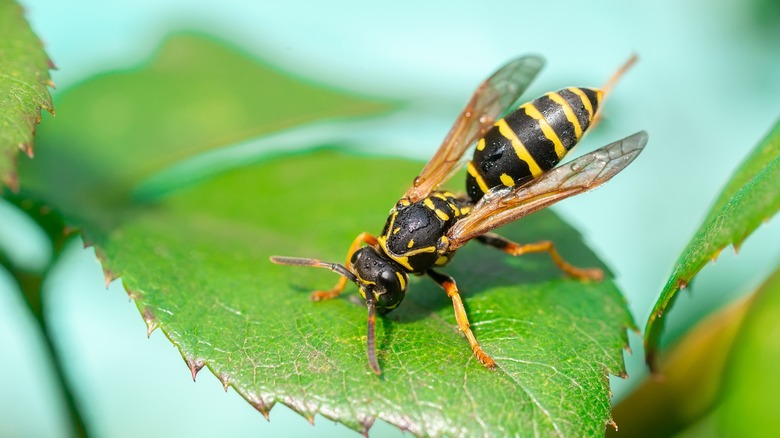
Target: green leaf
{"type": "Point", "coordinates": [719, 380]}
{"type": "Point", "coordinates": [197, 266]}
{"type": "Point", "coordinates": [195, 95]}
{"type": "Point", "coordinates": [24, 77]}
{"type": "Point", "coordinates": [692, 379]}
{"type": "Point", "coordinates": [195, 260]}
{"type": "Point", "coordinates": [750, 384]}
{"type": "Point", "coordinates": [750, 197]}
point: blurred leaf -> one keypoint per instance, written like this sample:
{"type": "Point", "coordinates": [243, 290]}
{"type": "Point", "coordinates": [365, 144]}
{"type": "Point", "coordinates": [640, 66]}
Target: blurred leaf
{"type": "Point", "coordinates": [195, 95]}
{"type": "Point", "coordinates": [688, 381]}
{"type": "Point", "coordinates": [750, 198]}
{"type": "Point", "coordinates": [195, 260]}
{"type": "Point", "coordinates": [24, 77]}
{"type": "Point", "coordinates": [751, 385]}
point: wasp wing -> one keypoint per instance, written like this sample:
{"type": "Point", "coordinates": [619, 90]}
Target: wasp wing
{"type": "Point", "coordinates": [507, 204]}
{"type": "Point", "coordinates": [491, 99]}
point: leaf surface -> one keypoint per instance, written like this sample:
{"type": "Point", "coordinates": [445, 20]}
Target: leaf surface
{"type": "Point", "coordinates": [749, 198]}
{"type": "Point", "coordinates": [750, 384]}
{"type": "Point", "coordinates": [195, 260]}
{"type": "Point", "coordinates": [24, 82]}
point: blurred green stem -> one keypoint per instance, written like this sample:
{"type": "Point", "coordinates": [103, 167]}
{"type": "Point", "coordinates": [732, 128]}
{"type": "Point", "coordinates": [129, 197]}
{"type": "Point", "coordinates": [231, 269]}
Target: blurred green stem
{"type": "Point", "coordinates": [30, 284]}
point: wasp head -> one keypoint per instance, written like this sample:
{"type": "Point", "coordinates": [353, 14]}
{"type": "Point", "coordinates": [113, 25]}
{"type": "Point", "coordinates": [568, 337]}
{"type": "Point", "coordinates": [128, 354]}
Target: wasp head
{"type": "Point", "coordinates": [380, 279]}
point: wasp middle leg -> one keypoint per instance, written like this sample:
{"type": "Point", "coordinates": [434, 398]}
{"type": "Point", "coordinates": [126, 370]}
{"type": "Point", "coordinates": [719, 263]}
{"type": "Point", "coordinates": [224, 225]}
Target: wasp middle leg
{"type": "Point", "coordinates": [320, 295]}
{"type": "Point", "coordinates": [517, 249]}
{"type": "Point", "coordinates": [448, 284]}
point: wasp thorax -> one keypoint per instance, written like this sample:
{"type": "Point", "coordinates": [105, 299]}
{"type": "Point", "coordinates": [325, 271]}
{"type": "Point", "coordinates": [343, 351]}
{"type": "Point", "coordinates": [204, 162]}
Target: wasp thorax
{"type": "Point", "coordinates": [380, 278]}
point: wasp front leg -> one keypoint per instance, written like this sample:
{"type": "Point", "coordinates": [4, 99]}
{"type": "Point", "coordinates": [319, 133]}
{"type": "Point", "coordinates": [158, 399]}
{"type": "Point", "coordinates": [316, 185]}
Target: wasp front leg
{"type": "Point", "coordinates": [320, 295]}
{"type": "Point", "coordinates": [517, 249]}
{"type": "Point", "coordinates": [448, 284]}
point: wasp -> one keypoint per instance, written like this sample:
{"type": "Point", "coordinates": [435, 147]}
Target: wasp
{"type": "Point", "coordinates": [512, 174]}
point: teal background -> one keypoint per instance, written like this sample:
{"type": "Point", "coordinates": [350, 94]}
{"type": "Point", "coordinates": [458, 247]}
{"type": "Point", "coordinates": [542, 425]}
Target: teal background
{"type": "Point", "coordinates": [706, 88]}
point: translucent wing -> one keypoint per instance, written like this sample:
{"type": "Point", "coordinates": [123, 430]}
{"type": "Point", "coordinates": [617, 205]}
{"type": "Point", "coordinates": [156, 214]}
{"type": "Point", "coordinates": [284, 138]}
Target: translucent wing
{"type": "Point", "coordinates": [492, 97]}
{"type": "Point", "coordinates": [503, 205]}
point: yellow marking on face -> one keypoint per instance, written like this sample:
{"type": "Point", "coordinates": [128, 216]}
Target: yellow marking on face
{"type": "Point", "coordinates": [442, 215]}
{"type": "Point", "coordinates": [362, 282]}
{"type": "Point", "coordinates": [405, 202]}
{"type": "Point", "coordinates": [585, 101]}
{"type": "Point", "coordinates": [442, 260]}
{"type": "Point", "coordinates": [410, 244]}
{"type": "Point", "coordinates": [396, 230]}
{"type": "Point", "coordinates": [520, 150]}
{"type": "Point", "coordinates": [507, 180]}
{"type": "Point", "coordinates": [465, 210]}
{"type": "Point", "coordinates": [547, 130]}
{"type": "Point", "coordinates": [569, 112]}
{"type": "Point", "coordinates": [401, 280]}
{"type": "Point", "coordinates": [481, 144]}
{"type": "Point", "coordinates": [480, 182]}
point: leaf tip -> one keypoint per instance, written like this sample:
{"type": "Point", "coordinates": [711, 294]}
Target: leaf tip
{"type": "Point", "coordinates": [225, 379]}
{"type": "Point", "coordinates": [715, 255]}
{"type": "Point", "coordinates": [27, 148]}
{"type": "Point", "coordinates": [151, 321]}
{"type": "Point", "coordinates": [109, 276]}
{"type": "Point", "coordinates": [195, 366]}
{"type": "Point", "coordinates": [367, 423]}
{"type": "Point", "coordinates": [258, 404]}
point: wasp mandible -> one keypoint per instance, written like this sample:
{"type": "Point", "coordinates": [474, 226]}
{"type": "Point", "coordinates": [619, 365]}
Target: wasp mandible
{"type": "Point", "coordinates": [512, 174]}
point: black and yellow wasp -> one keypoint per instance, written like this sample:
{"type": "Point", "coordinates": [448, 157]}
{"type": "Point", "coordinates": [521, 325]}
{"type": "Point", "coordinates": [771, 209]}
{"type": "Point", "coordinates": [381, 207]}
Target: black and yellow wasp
{"type": "Point", "coordinates": [512, 174]}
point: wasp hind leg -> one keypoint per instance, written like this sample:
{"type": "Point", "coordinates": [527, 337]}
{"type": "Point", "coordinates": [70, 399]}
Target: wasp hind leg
{"type": "Point", "coordinates": [321, 295]}
{"type": "Point", "coordinates": [517, 249]}
{"type": "Point", "coordinates": [448, 284]}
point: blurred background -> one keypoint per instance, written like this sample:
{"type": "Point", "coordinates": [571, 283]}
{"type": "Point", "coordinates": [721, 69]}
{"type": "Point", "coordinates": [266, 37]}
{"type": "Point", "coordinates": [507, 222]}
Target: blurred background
{"type": "Point", "coordinates": [706, 88]}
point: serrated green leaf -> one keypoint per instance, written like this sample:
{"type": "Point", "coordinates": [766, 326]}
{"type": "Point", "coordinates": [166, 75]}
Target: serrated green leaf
{"type": "Point", "coordinates": [24, 78]}
{"type": "Point", "coordinates": [195, 260]}
{"type": "Point", "coordinates": [197, 266]}
{"type": "Point", "coordinates": [750, 197]}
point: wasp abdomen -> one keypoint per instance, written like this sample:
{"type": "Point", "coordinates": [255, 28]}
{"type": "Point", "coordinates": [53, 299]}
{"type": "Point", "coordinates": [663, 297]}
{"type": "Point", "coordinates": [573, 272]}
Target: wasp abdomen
{"type": "Point", "coordinates": [531, 140]}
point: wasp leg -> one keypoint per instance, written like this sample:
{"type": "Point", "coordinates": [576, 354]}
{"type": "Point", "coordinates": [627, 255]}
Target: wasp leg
{"type": "Point", "coordinates": [517, 249]}
{"type": "Point", "coordinates": [320, 295]}
{"type": "Point", "coordinates": [448, 284]}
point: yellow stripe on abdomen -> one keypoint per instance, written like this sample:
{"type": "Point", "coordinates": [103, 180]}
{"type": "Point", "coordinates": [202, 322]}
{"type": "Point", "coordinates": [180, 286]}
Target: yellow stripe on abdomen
{"type": "Point", "coordinates": [520, 149]}
{"type": "Point", "coordinates": [585, 101]}
{"type": "Point", "coordinates": [547, 130]}
{"type": "Point", "coordinates": [477, 177]}
{"type": "Point", "coordinates": [569, 112]}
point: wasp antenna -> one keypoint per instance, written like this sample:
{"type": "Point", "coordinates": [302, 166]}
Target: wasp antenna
{"type": "Point", "coordinates": [371, 337]}
{"type": "Point", "coordinates": [300, 261]}
{"type": "Point", "coordinates": [618, 74]}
